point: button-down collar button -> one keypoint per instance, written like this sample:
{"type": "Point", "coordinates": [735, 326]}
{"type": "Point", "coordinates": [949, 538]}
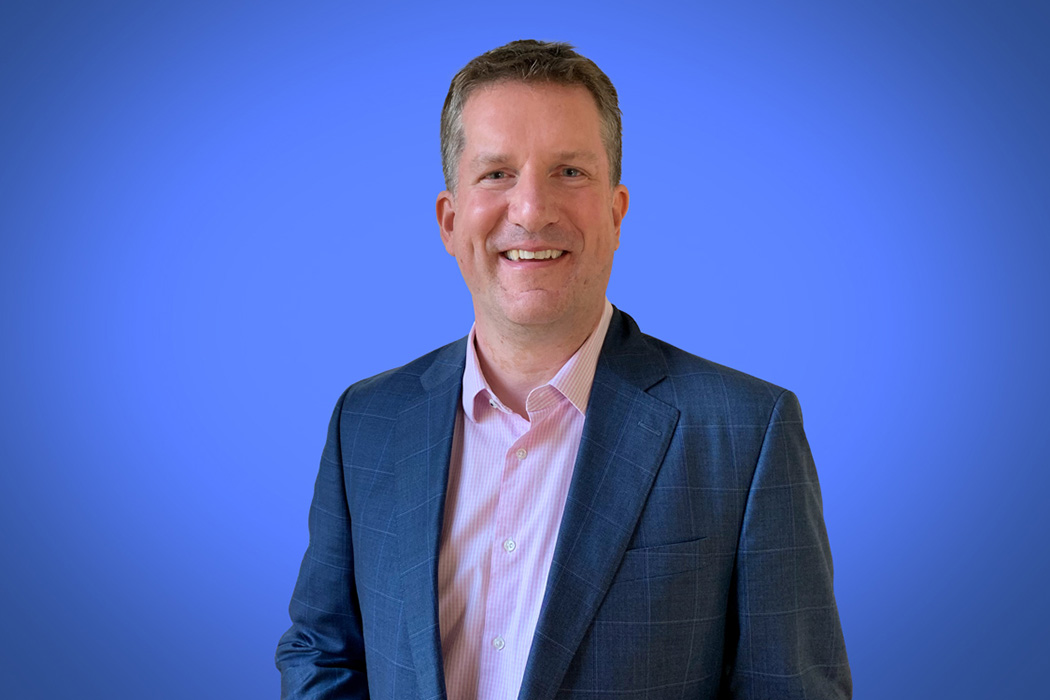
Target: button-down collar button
{"type": "Point", "coordinates": [521, 453]}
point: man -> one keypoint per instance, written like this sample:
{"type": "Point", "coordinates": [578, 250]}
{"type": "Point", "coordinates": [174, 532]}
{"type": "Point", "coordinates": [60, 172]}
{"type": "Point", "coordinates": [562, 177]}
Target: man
{"type": "Point", "coordinates": [558, 505]}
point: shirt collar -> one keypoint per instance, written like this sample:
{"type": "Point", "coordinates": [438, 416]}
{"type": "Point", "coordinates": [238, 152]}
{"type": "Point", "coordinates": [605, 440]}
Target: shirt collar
{"type": "Point", "coordinates": [573, 380]}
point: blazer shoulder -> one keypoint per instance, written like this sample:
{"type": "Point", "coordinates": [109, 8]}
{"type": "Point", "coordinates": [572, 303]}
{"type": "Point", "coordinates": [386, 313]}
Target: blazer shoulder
{"type": "Point", "coordinates": [389, 392]}
{"type": "Point", "coordinates": [693, 380]}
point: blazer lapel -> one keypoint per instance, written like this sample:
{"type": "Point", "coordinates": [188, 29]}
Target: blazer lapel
{"type": "Point", "coordinates": [625, 438]}
{"type": "Point", "coordinates": [423, 445]}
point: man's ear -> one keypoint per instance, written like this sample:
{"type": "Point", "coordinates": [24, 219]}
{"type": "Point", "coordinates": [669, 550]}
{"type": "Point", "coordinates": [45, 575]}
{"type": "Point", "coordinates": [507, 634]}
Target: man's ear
{"type": "Point", "coordinates": [446, 216]}
{"type": "Point", "coordinates": [621, 198]}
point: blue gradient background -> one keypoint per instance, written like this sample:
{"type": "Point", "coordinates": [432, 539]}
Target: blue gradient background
{"type": "Point", "coordinates": [215, 216]}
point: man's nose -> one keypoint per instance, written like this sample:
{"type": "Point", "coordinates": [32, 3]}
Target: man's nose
{"type": "Point", "coordinates": [532, 204]}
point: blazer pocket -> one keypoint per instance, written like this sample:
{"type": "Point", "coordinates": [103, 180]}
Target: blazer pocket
{"type": "Point", "coordinates": [661, 560]}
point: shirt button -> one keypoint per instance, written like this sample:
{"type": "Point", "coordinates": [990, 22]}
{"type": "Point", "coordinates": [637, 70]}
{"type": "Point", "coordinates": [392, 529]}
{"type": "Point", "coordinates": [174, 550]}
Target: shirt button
{"type": "Point", "coordinates": [521, 453]}
{"type": "Point", "coordinates": [509, 545]}
{"type": "Point", "coordinates": [492, 402]}
{"type": "Point", "coordinates": [498, 643]}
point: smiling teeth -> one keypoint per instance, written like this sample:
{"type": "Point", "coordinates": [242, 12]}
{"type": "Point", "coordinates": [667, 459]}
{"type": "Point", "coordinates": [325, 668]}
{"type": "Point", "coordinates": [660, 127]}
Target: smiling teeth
{"type": "Point", "coordinates": [533, 254]}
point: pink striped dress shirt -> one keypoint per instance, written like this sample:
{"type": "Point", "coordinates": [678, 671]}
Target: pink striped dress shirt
{"type": "Point", "coordinates": [507, 485]}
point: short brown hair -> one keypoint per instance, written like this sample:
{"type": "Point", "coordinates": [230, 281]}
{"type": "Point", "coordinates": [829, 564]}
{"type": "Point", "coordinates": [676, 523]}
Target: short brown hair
{"type": "Point", "coordinates": [529, 61]}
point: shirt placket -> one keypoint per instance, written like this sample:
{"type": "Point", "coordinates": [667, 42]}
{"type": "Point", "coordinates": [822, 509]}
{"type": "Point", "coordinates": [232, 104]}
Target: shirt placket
{"type": "Point", "coordinates": [501, 656]}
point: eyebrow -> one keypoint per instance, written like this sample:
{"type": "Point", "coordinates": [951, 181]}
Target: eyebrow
{"type": "Point", "coordinates": [486, 159]}
{"type": "Point", "coordinates": [587, 156]}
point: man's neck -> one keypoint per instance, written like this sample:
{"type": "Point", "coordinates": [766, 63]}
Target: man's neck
{"type": "Point", "coordinates": [516, 363]}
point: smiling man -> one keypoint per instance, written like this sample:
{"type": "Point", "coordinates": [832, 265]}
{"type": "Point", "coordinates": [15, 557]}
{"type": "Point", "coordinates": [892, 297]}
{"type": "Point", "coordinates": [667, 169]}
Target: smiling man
{"type": "Point", "coordinates": [533, 219]}
{"type": "Point", "coordinates": [558, 505]}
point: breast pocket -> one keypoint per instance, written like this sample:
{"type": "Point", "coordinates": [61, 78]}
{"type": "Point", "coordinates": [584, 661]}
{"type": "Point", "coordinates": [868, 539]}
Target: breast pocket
{"type": "Point", "coordinates": [661, 560]}
{"type": "Point", "coordinates": [656, 583]}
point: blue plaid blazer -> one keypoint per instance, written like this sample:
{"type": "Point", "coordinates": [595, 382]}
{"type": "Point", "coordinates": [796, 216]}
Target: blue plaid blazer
{"type": "Point", "coordinates": [692, 559]}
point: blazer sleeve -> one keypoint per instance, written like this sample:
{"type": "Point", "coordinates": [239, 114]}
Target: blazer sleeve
{"type": "Point", "coordinates": [322, 655]}
{"type": "Point", "coordinates": [789, 640]}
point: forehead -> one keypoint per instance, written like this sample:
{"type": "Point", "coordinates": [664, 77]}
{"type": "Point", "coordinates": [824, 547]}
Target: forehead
{"type": "Point", "coordinates": [511, 116]}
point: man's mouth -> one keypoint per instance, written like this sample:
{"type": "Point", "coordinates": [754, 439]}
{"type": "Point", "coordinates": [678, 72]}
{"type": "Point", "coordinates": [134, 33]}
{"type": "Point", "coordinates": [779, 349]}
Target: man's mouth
{"type": "Point", "coordinates": [549, 254]}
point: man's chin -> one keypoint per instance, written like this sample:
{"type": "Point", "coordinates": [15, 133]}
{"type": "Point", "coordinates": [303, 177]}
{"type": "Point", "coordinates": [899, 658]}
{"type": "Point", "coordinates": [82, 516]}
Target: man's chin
{"type": "Point", "coordinates": [538, 318]}
{"type": "Point", "coordinates": [545, 312]}
{"type": "Point", "coordinates": [537, 309]}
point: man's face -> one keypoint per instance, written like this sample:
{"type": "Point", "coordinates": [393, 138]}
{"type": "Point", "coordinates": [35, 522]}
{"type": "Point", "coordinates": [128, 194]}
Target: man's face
{"type": "Point", "coordinates": [534, 221]}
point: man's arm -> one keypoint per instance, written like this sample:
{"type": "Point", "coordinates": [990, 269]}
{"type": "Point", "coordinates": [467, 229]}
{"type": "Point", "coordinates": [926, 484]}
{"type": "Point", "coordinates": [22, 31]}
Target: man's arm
{"type": "Point", "coordinates": [789, 640]}
{"type": "Point", "coordinates": [322, 654]}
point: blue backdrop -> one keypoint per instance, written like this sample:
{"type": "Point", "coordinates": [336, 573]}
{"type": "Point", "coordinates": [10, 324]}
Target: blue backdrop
{"type": "Point", "coordinates": [215, 216]}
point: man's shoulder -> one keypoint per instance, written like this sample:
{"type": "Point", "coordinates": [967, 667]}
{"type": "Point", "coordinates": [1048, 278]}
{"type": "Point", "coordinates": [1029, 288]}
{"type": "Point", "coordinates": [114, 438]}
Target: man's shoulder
{"type": "Point", "coordinates": [390, 391]}
{"type": "Point", "coordinates": [684, 366]}
{"type": "Point", "coordinates": [706, 391]}
{"type": "Point", "coordinates": [688, 377]}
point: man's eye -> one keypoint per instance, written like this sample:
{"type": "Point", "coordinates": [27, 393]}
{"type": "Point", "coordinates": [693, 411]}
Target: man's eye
{"type": "Point", "coordinates": [496, 175]}
{"type": "Point", "coordinates": [571, 172]}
